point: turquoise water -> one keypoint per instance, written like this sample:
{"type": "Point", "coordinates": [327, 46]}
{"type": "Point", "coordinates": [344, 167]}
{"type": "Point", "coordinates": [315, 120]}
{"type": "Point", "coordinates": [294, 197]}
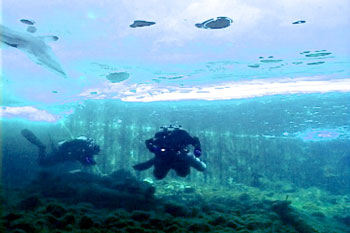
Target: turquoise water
{"type": "Point", "coordinates": [268, 96]}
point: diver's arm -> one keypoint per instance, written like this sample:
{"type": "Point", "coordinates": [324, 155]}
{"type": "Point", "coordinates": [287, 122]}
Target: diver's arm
{"type": "Point", "coordinates": [196, 143]}
{"type": "Point", "coordinates": [197, 146]}
{"type": "Point", "coordinates": [189, 140]}
{"type": "Point", "coordinates": [152, 144]}
{"type": "Point", "coordinates": [149, 144]}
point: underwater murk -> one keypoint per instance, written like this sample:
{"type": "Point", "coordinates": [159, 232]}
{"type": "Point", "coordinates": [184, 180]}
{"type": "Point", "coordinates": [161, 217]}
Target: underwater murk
{"type": "Point", "coordinates": [175, 116]}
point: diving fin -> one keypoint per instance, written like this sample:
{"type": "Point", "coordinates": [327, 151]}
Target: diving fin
{"type": "Point", "coordinates": [144, 166]}
{"type": "Point", "coordinates": [29, 135]}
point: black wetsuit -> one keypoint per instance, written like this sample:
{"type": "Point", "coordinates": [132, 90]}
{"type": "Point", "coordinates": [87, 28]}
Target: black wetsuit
{"type": "Point", "coordinates": [171, 152]}
{"type": "Point", "coordinates": [81, 149]}
{"type": "Point", "coordinates": [69, 151]}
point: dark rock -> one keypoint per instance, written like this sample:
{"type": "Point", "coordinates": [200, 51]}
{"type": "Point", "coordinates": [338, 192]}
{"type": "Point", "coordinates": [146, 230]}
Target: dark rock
{"type": "Point", "coordinates": [40, 223]}
{"type": "Point", "coordinates": [67, 220]}
{"type": "Point", "coordinates": [343, 219]}
{"type": "Point", "coordinates": [176, 210]}
{"type": "Point", "coordinates": [12, 216]}
{"type": "Point", "coordinates": [18, 231]}
{"type": "Point", "coordinates": [86, 223]}
{"type": "Point", "coordinates": [318, 214]}
{"type": "Point", "coordinates": [52, 220]}
{"type": "Point", "coordinates": [118, 190]}
{"type": "Point", "coordinates": [244, 197]}
{"type": "Point", "coordinates": [256, 224]}
{"type": "Point", "coordinates": [281, 207]}
{"type": "Point", "coordinates": [133, 229]}
{"type": "Point", "coordinates": [115, 222]}
{"type": "Point", "coordinates": [270, 194]}
{"type": "Point", "coordinates": [157, 223]}
{"type": "Point", "coordinates": [189, 189]}
{"type": "Point", "coordinates": [232, 224]}
{"type": "Point", "coordinates": [289, 216]}
{"type": "Point", "coordinates": [194, 211]}
{"type": "Point", "coordinates": [22, 225]}
{"type": "Point", "coordinates": [109, 221]}
{"type": "Point", "coordinates": [172, 228]}
{"type": "Point", "coordinates": [199, 227]}
{"type": "Point", "coordinates": [56, 210]}
{"type": "Point", "coordinates": [219, 220]}
{"type": "Point", "coordinates": [140, 216]}
{"type": "Point", "coordinates": [30, 203]}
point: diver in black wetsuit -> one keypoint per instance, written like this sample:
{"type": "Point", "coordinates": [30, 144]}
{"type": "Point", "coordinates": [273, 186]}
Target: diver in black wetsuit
{"type": "Point", "coordinates": [170, 147]}
{"type": "Point", "coordinates": [81, 149]}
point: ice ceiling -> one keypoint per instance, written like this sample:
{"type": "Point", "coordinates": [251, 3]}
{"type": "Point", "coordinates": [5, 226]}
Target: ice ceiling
{"type": "Point", "coordinates": [60, 52]}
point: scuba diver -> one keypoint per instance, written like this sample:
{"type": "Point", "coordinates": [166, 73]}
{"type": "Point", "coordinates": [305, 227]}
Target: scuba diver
{"type": "Point", "coordinates": [170, 147]}
{"type": "Point", "coordinates": [81, 149]}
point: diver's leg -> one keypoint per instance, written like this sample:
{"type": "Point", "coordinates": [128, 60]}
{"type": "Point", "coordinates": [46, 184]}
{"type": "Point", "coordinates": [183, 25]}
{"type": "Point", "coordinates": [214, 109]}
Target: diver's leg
{"type": "Point", "coordinates": [144, 166]}
{"type": "Point", "coordinates": [161, 169]}
{"type": "Point", "coordinates": [182, 169]}
{"type": "Point", "coordinates": [30, 136]}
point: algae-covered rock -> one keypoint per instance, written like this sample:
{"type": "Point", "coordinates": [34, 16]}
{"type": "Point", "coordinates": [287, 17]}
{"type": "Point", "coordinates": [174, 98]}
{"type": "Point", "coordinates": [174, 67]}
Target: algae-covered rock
{"type": "Point", "coordinates": [118, 190]}
{"type": "Point", "coordinates": [289, 216]}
